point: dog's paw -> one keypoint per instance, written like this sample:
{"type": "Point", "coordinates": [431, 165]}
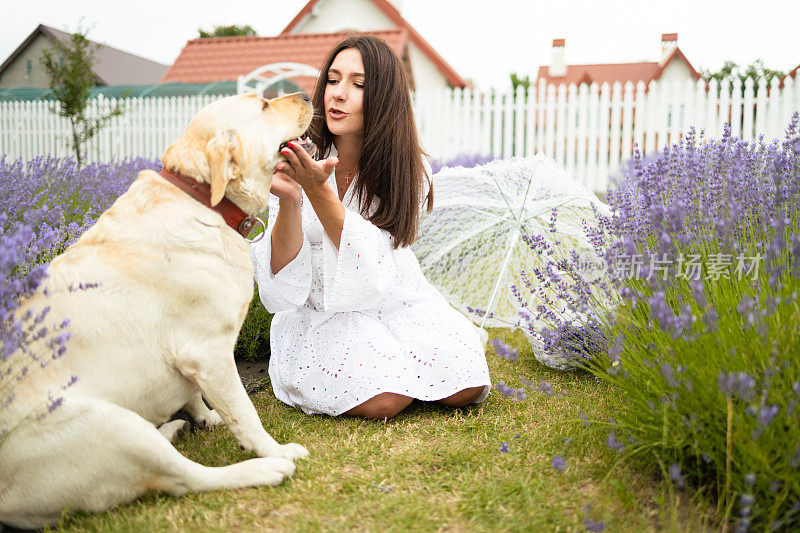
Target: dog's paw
{"type": "Point", "coordinates": [292, 451]}
{"type": "Point", "coordinates": [283, 466]}
{"type": "Point", "coordinates": [208, 420]}
{"type": "Point", "coordinates": [174, 429]}
{"type": "Point", "coordinates": [266, 471]}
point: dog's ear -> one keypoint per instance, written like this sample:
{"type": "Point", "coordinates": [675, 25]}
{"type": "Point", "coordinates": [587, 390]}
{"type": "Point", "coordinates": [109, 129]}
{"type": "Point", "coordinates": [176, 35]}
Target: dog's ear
{"type": "Point", "coordinates": [223, 152]}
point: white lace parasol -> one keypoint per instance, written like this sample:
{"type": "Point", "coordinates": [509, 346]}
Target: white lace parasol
{"type": "Point", "coordinates": [470, 246]}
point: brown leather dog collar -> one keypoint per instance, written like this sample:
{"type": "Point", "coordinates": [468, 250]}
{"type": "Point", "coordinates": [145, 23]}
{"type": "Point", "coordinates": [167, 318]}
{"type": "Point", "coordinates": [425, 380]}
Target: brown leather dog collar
{"type": "Point", "coordinates": [234, 217]}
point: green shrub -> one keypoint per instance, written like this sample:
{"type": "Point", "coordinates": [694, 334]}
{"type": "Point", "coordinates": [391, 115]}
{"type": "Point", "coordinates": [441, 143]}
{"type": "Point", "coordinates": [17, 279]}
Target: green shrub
{"type": "Point", "coordinates": [253, 341]}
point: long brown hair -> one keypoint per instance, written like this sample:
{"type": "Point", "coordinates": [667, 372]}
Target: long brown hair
{"type": "Point", "coordinates": [390, 166]}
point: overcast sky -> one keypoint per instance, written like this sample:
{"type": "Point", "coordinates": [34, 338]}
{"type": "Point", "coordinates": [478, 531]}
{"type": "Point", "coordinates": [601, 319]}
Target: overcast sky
{"type": "Point", "coordinates": [484, 40]}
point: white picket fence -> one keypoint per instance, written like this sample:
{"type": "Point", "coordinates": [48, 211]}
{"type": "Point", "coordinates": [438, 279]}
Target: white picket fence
{"type": "Point", "coordinates": [589, 130]}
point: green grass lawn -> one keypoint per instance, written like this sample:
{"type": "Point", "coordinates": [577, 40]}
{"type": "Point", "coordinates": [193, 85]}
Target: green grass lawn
{"type": "Point", "coordinates": [430, 469]}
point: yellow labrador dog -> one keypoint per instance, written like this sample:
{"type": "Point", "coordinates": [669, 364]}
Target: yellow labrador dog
{"type": "Point", "coordinates": [157, 334]}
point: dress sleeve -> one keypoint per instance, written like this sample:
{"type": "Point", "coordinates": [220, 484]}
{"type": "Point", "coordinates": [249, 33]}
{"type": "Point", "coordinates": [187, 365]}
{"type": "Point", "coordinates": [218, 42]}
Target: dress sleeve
{"type": "Point", "coordinates": [290, 287]}
{"type": "Point", "coordinates": [358, 274]}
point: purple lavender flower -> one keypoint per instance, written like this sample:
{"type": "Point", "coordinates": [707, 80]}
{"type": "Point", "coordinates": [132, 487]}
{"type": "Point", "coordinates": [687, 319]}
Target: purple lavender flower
{"type": "Point", "coordinates": [381, 487]}
{"type": "Point", "coordinates": [613, 443]}
{"type": "Point", "coordinates": [675, 475]}
{"type": "Point", "coordinates": [516, 394]}
{"type": "Point", "coordinates": [503, 350]}
{"type": "Point", "coordinates": [767, 414]}
{"type": "Point", "coordinates": [558, 463]}
{"type": "Point", "coordinates": [669, 375]}
{"type": "Point", "coordinates": [593, 526]}
{"type": "Point", "coordinates": [739, 385]}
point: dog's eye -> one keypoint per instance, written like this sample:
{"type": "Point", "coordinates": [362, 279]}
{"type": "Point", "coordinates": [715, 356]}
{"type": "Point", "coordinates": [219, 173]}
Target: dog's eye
{"type": "Point", "coordinates": [266, 105]}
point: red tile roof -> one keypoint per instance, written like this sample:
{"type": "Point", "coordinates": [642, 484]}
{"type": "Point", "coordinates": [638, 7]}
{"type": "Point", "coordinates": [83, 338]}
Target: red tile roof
{"type": "Point", "coordinates": [394, 15]}
{"type": "Point", "coordinates": [613, 72]}
{"type": "Point", "coordinates": [225, 58]}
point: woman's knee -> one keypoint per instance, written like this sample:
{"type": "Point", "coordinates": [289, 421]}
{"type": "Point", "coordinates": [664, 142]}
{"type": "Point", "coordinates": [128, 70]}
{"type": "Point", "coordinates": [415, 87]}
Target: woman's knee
{"type": "Point", "coordinates": [463, 397]}
{"type": "Point", "coordinates": [384, 405]}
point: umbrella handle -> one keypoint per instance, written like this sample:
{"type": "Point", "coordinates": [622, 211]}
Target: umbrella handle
{"type": "Point", "coordinates": [506, 260]}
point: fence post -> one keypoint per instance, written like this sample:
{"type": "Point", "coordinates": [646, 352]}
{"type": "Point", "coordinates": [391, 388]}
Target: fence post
{"type": "Point", "coordinates": [616, 108]}
{"type": "Point", "coordinates": [583, 124]}
{"type": "Point", "coordinates": [519, 121]}
{"type": "Point", "coordinates": [508, 126]}
{"type": "Point", "coordinates": [605, 110]}
{"type": "Point", "coordinates": [486, 105]}
{"type": "Point", "coordinates": [748, 134]}
{"type": "Point", "coordinates": [572, 102]}
{"type": "Point", "coordinates": [497, 123]}
{"type": "Point", "coordinates": [724, 105]}
{"type": "Point", "coordinates": [650, 118]}
{"type": "Point", "coordinates": [550, 128]}
{"type": "Point", "coordinates": [541, 93]}
{"type": "Point", "coordinates": [591, 164]}
{"type": "Point", "coordinates": [761, 107]}
{"type": "Point", "coordinates": [627, 121]}
{"type": "Point", "coordinates": [640, 116]}
{"type": "Point", "coordinates": [561, 125]}
{"type": "Point", "coordinates": [530, 120]}
{"type": "Point", "coordinates": [475, 122]}
{"type": "Point", "coordinates": [775, 123]}
{"type": "Point", "coordinates": [736, 107]}
{"type": "Point", "coordinates": [455, 123]}
{"type": "Point", "coordinates": [788, 101]}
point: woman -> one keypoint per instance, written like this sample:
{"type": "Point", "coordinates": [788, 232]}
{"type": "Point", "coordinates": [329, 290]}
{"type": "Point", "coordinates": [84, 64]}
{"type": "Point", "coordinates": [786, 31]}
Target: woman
{"type": "Point", "coordinates": [357, 330]}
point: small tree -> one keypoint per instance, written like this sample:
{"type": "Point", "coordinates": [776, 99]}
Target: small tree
{"type": "Point", "coordinates": [227, 31]}
{"type": "Point", "coordinates": [69, 67]}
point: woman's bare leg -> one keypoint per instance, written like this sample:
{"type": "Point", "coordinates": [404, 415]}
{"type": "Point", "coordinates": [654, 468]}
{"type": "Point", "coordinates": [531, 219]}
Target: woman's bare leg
{"type": "Point", "coordinates": [462, 398]}
{"type": "Point", "coordinates": [384, 405]}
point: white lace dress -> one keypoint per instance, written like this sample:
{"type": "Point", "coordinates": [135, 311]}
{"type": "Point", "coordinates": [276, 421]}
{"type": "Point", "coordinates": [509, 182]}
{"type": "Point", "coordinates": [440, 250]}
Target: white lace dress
{"type": "Point", "coordinates": [355, 322]}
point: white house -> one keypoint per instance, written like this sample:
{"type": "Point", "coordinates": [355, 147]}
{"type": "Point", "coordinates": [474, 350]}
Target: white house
{"type": "Point", "coordinates": [671, 66]}
{"type": "Point", "coordinates": [307, 39]}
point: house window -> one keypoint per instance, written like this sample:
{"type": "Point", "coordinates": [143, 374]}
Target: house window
{"type": "Point", "coordinates": [28, 68]}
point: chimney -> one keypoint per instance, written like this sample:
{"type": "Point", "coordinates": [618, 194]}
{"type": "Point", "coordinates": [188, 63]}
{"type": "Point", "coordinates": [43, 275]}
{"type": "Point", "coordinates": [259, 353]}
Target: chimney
{"type": "Point", "coordinates": [669, 42]}
{"type": "Point", "coordinates": [557, 66]}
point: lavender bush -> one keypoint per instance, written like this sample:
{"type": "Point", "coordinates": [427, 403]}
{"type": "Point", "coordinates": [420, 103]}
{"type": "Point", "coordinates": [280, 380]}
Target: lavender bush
{"type": "Point", "coordinates": [703, 257]}
{"type": "Point", "coordinates": [47, 203]}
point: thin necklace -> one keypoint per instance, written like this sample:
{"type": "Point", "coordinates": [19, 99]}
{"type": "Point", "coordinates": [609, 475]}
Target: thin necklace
{"type": "Point", "coordinates": [347, 175]}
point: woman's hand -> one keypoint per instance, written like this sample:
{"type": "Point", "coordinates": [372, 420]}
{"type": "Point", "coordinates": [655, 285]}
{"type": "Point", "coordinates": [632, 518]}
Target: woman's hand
{"type": "Point", "coordinates": [284, 187]}
{"type": "Point", "coordinates": [303, 169]}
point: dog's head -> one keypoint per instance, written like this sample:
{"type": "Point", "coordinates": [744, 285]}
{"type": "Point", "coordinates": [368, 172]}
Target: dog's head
{"type": "Point", "coordinates": [233, 145]}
